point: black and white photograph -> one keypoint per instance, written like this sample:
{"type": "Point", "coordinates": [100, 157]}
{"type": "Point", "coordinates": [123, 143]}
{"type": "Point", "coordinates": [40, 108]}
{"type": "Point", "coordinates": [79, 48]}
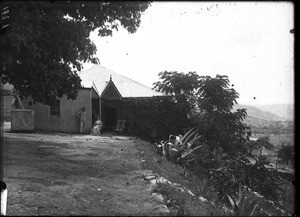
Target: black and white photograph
{"type": "Point", "coordinates": [147, 108]}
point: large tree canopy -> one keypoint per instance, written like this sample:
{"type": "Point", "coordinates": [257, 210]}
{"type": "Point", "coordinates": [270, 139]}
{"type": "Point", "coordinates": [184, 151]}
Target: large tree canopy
{"type": "Point", "coordinates": [180, 86]}
{"type": "Point", "coordinates": [221, 127]}
{"type": "Point", "coordinates": [44, 43]}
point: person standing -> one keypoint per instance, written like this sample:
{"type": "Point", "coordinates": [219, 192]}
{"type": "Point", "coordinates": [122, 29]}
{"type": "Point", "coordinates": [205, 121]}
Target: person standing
{"type": "Point", "coordinates": [82, 118]}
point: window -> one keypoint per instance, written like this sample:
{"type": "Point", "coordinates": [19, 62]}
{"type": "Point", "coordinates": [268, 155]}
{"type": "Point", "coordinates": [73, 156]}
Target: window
{"type": "Point", "coordinates": [54, 109]}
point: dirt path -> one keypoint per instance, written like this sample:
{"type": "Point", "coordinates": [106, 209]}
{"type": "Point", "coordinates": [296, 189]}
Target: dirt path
{"type": "Point", "coordinates": [62, 174]}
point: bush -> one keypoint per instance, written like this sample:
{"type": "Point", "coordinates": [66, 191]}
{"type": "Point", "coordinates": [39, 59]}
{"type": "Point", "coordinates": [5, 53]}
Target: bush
{"type": "Point", "coordinates": [245, 204]}
{"type": "Point", "coordinates": [155, 119]}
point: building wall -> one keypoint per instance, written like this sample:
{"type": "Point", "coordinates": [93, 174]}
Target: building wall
{"type": "Point", "coordinates": [6, 106]}
{"type": "Point", "coordinates": [22, 120]}
{"type": "Point", "coordinates": [68, 121]}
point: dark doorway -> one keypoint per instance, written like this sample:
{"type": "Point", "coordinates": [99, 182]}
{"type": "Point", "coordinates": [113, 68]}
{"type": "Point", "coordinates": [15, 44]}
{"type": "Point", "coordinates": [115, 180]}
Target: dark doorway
{"type": "Point", "coordinates": [110, 117]}
{"type": "Point", "coordinates": [95, 110]}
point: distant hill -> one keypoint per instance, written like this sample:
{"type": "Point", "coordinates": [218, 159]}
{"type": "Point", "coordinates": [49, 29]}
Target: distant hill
{"type": "Point", "coordinates": [253, 112]}
{"type": "Point", "coordinates": [286, 111]}
{"type": "Point", "coordinates": [266, 120]}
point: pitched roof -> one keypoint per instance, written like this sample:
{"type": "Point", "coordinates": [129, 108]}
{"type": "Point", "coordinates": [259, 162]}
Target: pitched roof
{"type": "Point", "coordinates": [98, 77]}
{"type": "Point", "coordinates": [111, 91]}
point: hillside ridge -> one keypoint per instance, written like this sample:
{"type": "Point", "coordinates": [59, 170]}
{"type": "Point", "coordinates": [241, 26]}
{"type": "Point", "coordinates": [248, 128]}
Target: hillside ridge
{"type": "Point", "coordinates": [255, 112]}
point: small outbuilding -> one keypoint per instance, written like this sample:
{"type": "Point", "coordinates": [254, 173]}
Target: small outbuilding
{"type": "Point", "coordinates": [7, 101]}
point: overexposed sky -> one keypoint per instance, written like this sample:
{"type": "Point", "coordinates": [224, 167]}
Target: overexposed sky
{"type": "Point", "coordinates": [249, 42]}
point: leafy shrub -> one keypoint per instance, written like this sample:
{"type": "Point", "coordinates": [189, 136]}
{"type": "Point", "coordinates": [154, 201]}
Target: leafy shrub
{"type": "Point", "coordinates": [152, 119]}
{"type": "Point", "coordinates": [179, 148]}
{"type": "Point", "coordinates": [203, 188]}
{"type": "Point", "coordinates": [286, 153]}
{"type": "Point", "coordinates": [245, 204]}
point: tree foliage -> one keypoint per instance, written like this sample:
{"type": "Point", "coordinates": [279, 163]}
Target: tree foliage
{"type": "Point", "coordinates": [286, 153]}
{"type": "Point", "coordinates": [180, 86]}
{"type": "Point", "coordinates": [215, 120]}
{"type": "Point", "coordinates": [215, 94]}
{"type": "Point", "coordinates": [44, 43]}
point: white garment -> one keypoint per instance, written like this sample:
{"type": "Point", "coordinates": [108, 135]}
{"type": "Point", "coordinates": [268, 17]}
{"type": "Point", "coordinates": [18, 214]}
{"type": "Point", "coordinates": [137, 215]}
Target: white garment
{"type": "Point", "coordinates": [96, 131]}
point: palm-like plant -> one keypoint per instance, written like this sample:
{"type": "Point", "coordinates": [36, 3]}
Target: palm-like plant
{"type": "Point", "coordinates": [244, 205]}
{"type": "Point", "coordinates": [179, 147]}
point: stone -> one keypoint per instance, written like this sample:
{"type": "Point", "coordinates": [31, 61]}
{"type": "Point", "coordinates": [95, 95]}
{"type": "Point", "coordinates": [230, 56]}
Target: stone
{"type": "Point", "coordinates": [191, 193]}
{"type": "Point", "coordinates": [202, 199]}
{"type": "Point", "coordinates": [153, 182]}
{"type": "Point", "coordinates": [176, 184]}
{"type": "Point", "coordinates": [150, 189]}
{"type": "Point", "coordinates": [150, 177]}
{"type": "Point", "coordinates": [163, 180]}
{"type": "Point", "coordinates": [162, 209]}
{"type": "Point", "coordinates": [158, 197]}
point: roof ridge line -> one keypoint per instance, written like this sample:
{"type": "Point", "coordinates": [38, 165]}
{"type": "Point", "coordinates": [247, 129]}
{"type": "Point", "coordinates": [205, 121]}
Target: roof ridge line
{"type": "Point", "coordinates": [121, 81]}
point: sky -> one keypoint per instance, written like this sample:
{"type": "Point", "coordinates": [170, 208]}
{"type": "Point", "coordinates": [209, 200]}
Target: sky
{"type": "Point", "coordinates": [250, 42]}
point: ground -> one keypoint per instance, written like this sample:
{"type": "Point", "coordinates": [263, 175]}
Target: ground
{"type": "Point", "coordinates": [67, 174]}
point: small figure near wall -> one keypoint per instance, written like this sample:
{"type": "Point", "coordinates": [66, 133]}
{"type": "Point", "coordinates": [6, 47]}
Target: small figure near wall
{"type": "Point", "coordinates": [82, 117]}
{"type": "Point", "coordinates": [96, 130]}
